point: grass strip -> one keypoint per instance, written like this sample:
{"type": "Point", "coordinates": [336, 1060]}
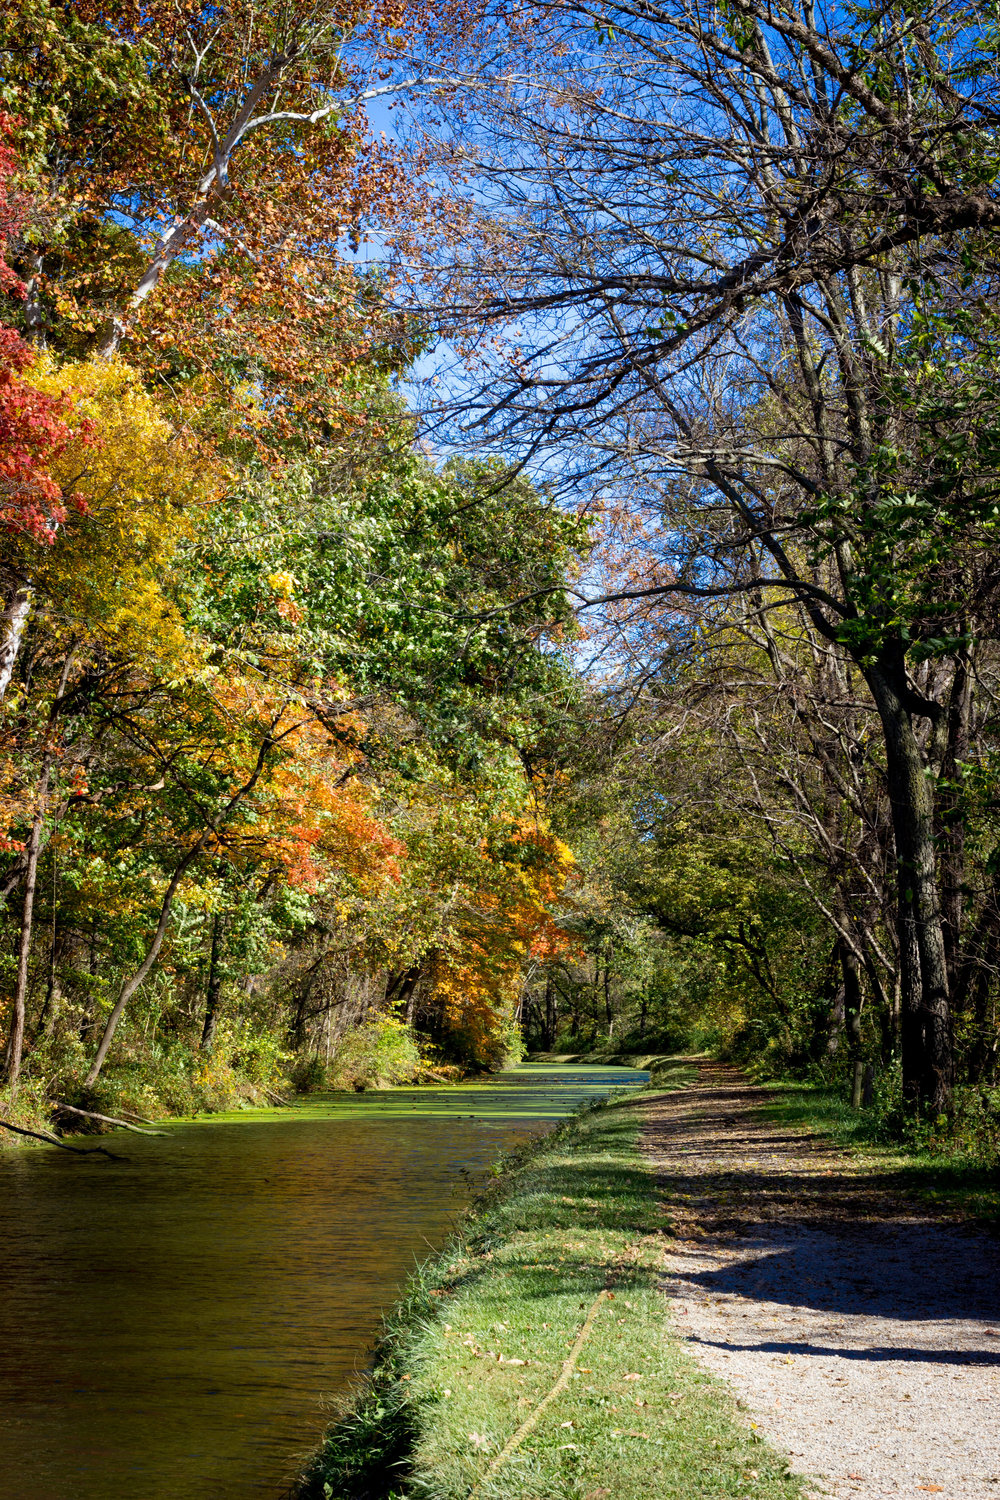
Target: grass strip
{"type": "Point", "coordinates": [948, 1182]}
{"type": "Point", "coordinates": [493, 1337]}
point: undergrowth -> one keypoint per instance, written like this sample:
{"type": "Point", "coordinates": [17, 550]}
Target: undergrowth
{"type": "Point", "coordinates": [378, 1055]}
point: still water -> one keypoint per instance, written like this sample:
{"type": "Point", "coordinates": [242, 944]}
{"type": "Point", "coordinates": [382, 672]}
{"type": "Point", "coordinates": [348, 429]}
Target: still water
{"type": "Point", "coordinates": [170, 1325]}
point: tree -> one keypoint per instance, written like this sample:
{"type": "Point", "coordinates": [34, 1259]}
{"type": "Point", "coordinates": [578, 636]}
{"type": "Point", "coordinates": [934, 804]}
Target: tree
{"type": "Point", "coordinates": [751, 288]}
{"type": "Point", "coordinates": [212, 165]}
{"type": "Point", "coordinates": [35, 428]}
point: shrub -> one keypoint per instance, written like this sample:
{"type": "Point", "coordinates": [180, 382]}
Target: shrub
{"type": "Point", "coordinates": [376, 1055]}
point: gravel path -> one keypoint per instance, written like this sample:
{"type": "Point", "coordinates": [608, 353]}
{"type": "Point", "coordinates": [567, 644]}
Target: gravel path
{"type": "Point", "coordinates": [862, 1336]}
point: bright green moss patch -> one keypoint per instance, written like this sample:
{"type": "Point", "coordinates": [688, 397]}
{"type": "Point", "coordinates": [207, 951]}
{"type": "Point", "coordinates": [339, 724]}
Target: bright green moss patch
{"type": "Point", "coordinates": [475, 1349]}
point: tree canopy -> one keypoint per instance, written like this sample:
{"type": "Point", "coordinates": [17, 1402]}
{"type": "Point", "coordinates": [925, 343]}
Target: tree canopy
{"type": "Point", "coordinates": [637, 684]}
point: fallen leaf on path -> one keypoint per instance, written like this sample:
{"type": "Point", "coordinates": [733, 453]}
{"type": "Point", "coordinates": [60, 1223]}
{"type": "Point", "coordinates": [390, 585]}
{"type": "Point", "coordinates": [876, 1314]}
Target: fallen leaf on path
{"type": "Point", "coordinates": [935, 1489]}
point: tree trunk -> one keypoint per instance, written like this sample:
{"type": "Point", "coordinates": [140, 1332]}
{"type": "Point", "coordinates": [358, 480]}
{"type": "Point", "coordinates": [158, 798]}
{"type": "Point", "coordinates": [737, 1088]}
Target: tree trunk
{"type": "Point", "coordinates": [213, 989]}
{"type": "Point", "coordinates": [950, 823]}
{"type": "Point", "coordinates": [51, 1005]}
{"type": "Point", "coordinates": [12, 623]}
{"type": "Point", "coordinates": [550, 1017]}
{"type": "Point", "coordinates": [853, 1002]}
{"type": "Point", "coordinates": [831, 1028]}
{"type": "Point", "coordinates": [404, 989]}
{"type": "Point", "coordinates": [928, 1068]}
{"type": "Point", "coordinates": [34, 319]}
{"type": "Point", "coordinates": [129, 988]}
{"type": "Point", "coordinates": [835, 1022]}
{"type": "Point", "coordinates": [608, 1016]}
{"type": "Point", "coordinates": [15, 1041]}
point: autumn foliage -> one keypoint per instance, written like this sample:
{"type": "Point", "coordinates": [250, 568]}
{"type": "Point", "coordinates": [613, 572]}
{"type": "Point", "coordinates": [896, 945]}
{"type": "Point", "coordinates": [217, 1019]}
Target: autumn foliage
{"type": "Point", "coordinates": [278, 693]}
{"type": "Point", "coordinates": [35, 428]}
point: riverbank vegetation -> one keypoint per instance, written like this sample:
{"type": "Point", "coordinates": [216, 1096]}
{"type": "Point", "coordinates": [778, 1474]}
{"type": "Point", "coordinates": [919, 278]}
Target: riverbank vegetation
{"type": "Point", "coordinates": [477, 571]}
{"type": "Point", "coordinates": [282, 697]}
{"type": "Point", "coordinates": [950, 1166]}
{"type": "Point", "coordinates": [532, 1356]}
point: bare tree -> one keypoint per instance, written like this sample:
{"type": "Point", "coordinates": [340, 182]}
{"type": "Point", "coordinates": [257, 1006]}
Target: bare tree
{"type": "Point", "coordinates": [732, 267]}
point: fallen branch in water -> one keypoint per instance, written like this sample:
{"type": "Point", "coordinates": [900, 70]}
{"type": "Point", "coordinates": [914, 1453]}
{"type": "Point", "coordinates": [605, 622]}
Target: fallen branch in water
{"type": "Point", "coordinates": [131, 1114]}
{"type": "Point", "coordinates": [90, 1114]}
{"type": "Point", "coordinates": [53, 1140]}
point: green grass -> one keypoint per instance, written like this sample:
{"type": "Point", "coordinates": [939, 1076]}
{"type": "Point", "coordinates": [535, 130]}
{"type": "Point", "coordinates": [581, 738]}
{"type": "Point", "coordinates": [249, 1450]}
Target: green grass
{"type": "Point", "coordinates": [481, 1337]}
{"type": "Point", "coordinates": [943, 1178]}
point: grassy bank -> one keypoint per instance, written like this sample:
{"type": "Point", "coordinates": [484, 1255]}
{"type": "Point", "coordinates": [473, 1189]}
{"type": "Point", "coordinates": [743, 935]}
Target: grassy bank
{"type": "Point", "coordinates": [943, 1173]}
{"type": "Point", "coordinates": [951, 1166]}
{"type": "Point", "coordinates": [534, 1359]}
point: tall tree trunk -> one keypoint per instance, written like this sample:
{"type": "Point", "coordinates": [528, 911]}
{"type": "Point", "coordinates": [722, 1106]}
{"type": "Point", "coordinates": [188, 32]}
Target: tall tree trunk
{"type": "Point", "coordinates": [12, 623]}
{"type": "Point", "coordinates": [403, 989]}
{"type": "Point", "coordinates": [853, 1002]}
{"type": "Point", "coordinates": [928, 1068]}
{"type": "Point", "coordinates": [213, 989]}
{"type": "Point", "coordinates": [130, 986]}
{"type": "Point", "coordinates": [548, 1014]}
{"type": "Point", "coordinates": [15, 1040]}
{"type": "Point", "coordinates": [52, 1004]}
{"type": "Point", "coordinates": [49, 1012]}
{"type": "Point", "coordinates": [950, 821]}
{"type": "Point", "coordinates": [976, 1000]}
{"type": "Point", "coordinates": [34, 318]}
{"type": "Point", "coordinates": [608, 1016]}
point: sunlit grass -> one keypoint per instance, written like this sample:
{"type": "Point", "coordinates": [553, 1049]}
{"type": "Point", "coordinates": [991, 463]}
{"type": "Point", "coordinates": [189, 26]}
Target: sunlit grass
{"type": "Point", "coordinates": [944, 1181]}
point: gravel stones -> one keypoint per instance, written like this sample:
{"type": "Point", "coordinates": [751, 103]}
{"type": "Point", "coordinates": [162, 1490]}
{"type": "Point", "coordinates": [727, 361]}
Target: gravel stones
{"type": "Point", "coordinates": [861, 1336]}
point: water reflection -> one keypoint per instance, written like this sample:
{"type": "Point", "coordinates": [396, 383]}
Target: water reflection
{"type": "Point", "coordinates": [170, 1324]}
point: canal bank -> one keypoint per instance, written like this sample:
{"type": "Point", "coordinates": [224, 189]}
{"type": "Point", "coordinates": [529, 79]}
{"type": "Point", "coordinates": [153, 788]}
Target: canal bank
{"type": "Point", "coordinates": [533, 1356]}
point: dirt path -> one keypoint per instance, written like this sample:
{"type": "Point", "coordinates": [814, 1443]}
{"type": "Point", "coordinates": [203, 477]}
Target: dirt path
{"type": "Point", "coordinates": [862, 1336]}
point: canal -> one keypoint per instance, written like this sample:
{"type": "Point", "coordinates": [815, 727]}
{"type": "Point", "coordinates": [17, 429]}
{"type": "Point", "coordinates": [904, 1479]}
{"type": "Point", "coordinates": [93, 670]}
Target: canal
{"type": "Point", "coordinates": [174, 1326]}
